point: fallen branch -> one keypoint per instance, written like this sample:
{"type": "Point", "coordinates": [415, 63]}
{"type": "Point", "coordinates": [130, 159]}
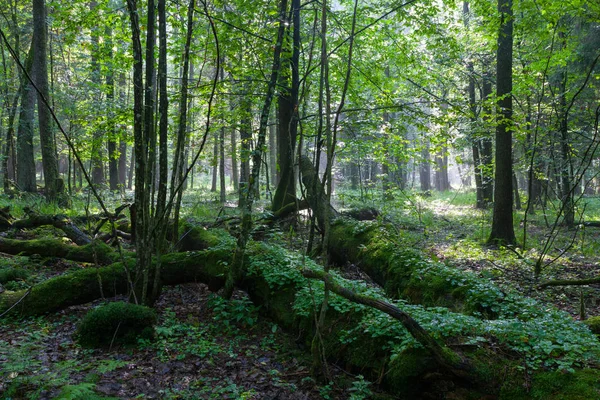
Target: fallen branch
{"type": "Point", "coordinates": [567, 282]}
{"type": "Point", "coordinates": [445, 357]}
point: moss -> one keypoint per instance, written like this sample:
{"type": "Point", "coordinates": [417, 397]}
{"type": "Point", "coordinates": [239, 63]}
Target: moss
{"type": "Point", "coordinates": [95, 251]}
{"type": "Point", "coordinates": [77, 287]}
{"type": "Point", "coordinates": [402, 373]}
{"type": "Point", "coordinates": [556, 385]}
{"type": "Point", "coordinates": [593, 323]}
{"type": "Point", "coordinates": [13, 274]}
{"type": "Point", "coordinates": [194, 237]}
{"type": "Point", "coordinates": [116, 323]}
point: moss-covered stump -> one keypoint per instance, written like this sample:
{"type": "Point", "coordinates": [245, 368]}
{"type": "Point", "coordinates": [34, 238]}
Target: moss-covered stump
{"type": "Point", "coordinates": [89, 253]}
{"type": "Point", "coordinates": [116, 323]}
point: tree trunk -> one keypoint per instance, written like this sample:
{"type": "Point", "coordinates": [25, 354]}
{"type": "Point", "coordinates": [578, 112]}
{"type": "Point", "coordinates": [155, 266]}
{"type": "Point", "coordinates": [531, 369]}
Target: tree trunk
{"type": "Point", "coordinates": [487, 182]}
{"type": "Point", "coordinates": [26, 176]}
{"type": "Point", "coordinates": [47, 141]}
{"type": "Point", "coordinates": [98, 177]}
{"type": "Point", "coordinates": [215, 164]}
{"type": "Point", "coordinates": [246, 139]}
{"type": "Point", "coordinates": [502, 222]}
{"type": "Point", "coordinates": [425, 167]}
{"type": "Point", "coordinates": [442, 181]}
{"type": "Point", "coordinates": [235, 177]}
{"type": "Point", "coordinates": [273, 170]}
{"type": "Point", "coordinates": [222, 188]}
{"type": "Point", "coordinates": [288, 118]}
{"type": "Point", "coordinates": [113, 150]}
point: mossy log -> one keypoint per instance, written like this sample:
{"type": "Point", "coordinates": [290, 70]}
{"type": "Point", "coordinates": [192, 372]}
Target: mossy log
{"type": "Point", "coordinates": [58, 221]}
{"type": "Point", "coordinates": [372, 247]}
{"type": "Point", "coordinates": [446, 358]}
{"type": "Point", "coordinates": [571, 282]}
{"type": "Point", "coordinates": [275, 280]}
{"type": "Point", "coordinates": [91, 283]}
{"type": "Point", "coordinates": [89, 253]}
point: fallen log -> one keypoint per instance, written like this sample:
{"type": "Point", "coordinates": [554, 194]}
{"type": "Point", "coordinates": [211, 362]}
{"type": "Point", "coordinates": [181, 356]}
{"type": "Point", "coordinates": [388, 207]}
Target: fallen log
{"type": "Point", "coordinates": [58, 221]}
{"type": "Point", "coordinates": [567, 282]}
{"type": "Point", "coordinates": [89, 253]}
{"type": "Point", "coordinates": [445, 357]}
{"type": "Point", "coordinates": [406, 272]}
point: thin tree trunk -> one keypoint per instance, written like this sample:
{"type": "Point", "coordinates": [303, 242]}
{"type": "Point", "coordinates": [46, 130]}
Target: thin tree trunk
{"type": "Point", "coordinates": [98, 177]}
{"type": "Point", "coordinates": [47, 140]}
{"type": "Point", "coordinates": [26, 176]}
{"type": "Point", "coordinates": [113, 152]}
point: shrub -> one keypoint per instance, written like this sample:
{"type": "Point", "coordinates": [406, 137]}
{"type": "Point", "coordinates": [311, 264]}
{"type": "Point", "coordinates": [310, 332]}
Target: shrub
{"type": "Point", "coordinates": [116, 323]}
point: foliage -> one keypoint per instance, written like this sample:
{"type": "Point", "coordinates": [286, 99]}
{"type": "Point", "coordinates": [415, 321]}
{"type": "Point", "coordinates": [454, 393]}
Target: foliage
{"type": "Point", "coordinates": [176, 340]}
{"type": "Point", "coordinates": [231, 315]}
{"type": "Point", "coordinates": [82, 391]}
{"type": "Point", "coordinates": [116, 323]}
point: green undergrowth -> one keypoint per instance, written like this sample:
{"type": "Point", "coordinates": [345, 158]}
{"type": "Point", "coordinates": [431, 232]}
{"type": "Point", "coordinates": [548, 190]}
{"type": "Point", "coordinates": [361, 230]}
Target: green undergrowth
{"type": "Point", "coordinates": [536, 336]}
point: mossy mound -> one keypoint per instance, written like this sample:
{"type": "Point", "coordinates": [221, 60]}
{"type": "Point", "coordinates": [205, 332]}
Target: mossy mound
{"type": "Point", "coordinates": [593, 323]}
{"type": "Point", "coordinates": [116, 323]}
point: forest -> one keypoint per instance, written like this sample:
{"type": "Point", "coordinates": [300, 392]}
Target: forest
{"type": "Point", "coordinates": [286, 199]}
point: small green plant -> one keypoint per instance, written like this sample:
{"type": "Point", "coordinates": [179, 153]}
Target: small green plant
{"type": "Point", "coordinates": [176, 340]}
{"type": "Point", "coordinates": [117, 322]}
{"type": "Point", "coordinates": [233, 314]}
{"type": "Point", "coordinates": [82, 391]}
{"type": "Point", "coordinates": [360, 389]}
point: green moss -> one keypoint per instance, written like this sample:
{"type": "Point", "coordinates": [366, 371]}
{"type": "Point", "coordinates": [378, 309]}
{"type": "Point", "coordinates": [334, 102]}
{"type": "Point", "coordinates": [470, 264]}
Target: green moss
{"type": "Point", "coordinates": [402, 372]}
{"type": "Point", "coordinates": [116, 323]}
{"type": "Point", "coordinates": [592, 322]}
{"type": "Point", "coordinates": [194, 237]}
{"type": "Point", "coordinates": [77, 287]}
{"type": "Point", "coordinates": [556, 385]}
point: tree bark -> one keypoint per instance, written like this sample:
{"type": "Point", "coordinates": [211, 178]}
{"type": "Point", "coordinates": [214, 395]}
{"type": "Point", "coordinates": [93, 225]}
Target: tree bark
{"type": "Point", "coordinates": [97, 147]}
{"type": "Point", "coordinates": [288, 117]}
{"type": "Point", "coordinates": [502, 222]}
{"type": "Point", "coordinates": [26, 176]}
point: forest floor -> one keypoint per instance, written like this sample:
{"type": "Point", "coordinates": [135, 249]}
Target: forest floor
{"type": "Point", "coordinates": [206, 348]}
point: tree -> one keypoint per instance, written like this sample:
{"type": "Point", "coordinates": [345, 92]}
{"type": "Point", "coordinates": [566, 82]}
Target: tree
{"type": "Point", "coordinates": [53, 185]}
{"type": "Point", "coordinates": [502, 223]}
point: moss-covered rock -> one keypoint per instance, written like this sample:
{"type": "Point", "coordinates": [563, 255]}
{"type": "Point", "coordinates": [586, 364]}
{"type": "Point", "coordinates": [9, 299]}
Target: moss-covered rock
{"type": "Point", "coordinates": [116, 323]}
